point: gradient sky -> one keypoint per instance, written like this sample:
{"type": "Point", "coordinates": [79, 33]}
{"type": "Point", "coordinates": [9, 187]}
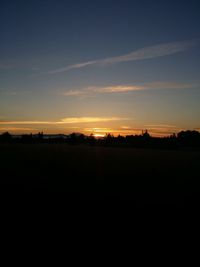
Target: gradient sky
{"type": "Point", "coordinates": [99, 66]}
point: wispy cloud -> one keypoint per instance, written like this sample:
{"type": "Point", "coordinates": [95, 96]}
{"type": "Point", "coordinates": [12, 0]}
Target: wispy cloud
{"type": "Point", "coordinates": [114, 131]}
{"type": "Point", "coordinates": [68, 120]}
{"type": "Point", "coordinates": [103, 90]}
{"type": "Point", "coordinates": [93, 90]}
{"type": "Point", "coordinates": [155, 51]}
{"type": "Point", "coordinates": [13, 92]}
{"type": "Point", "coordinates": [162, 129]}
{"type": "Point", "coordinates": [74, 66]}
{"type": "Point", "coordinates": [17, 129]}
{"type": "Point", "coordinates": [89, 119]}
{"type": "Point", "coordinates": [4, 66]}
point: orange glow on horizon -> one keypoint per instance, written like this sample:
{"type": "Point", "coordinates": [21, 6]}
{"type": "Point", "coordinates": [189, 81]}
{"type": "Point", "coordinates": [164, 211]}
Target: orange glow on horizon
{"type": "Point", "coordinates": [100, 130]}
{"type": "Point", "coordinates": [99, 135]}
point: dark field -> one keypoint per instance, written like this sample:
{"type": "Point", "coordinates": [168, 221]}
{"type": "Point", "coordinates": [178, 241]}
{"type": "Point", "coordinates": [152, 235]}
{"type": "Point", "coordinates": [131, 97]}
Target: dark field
{"type": "Point", "coordinates": [84, 172]}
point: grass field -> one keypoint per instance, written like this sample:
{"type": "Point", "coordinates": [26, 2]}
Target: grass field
{"type": "Point", "coordinates": [98, 172]}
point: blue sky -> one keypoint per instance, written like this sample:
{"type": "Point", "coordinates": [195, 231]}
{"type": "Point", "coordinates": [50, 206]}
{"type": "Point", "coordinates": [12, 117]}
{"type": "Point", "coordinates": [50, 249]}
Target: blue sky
{"type": "Point", "coordinates": [99, 66]}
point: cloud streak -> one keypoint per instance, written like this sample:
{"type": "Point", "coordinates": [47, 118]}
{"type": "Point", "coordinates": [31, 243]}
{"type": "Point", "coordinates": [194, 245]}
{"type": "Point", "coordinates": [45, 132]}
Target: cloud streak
{"type": "Point", "coordinates": [120, 89]}
{"type": "Point", "coordinates": [150, 52]}
{"type": "Point", "coordinates": [17, 129]}
{"type": "Point", "coordinates": [69, 120]}
{"type": "Point", "coordinates": [162, 129]}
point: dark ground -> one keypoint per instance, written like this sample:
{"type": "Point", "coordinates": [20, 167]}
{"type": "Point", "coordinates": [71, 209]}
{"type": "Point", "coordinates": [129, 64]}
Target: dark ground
{"type": "Point", "coordinates": [82, 172]}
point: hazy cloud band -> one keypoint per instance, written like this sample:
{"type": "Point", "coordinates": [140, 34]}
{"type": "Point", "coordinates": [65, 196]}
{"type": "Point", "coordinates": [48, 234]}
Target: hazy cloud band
{"type": "Point", "coordinates": [140, 54]}
{"type": "Point", "coordinates": [69, 120]}
{"type": "Point", "coordinates": [127, 88]}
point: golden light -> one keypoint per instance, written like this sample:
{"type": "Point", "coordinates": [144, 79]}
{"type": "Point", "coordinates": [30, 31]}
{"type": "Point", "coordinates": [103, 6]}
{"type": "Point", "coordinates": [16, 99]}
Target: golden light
{"type": "Point", "coordinates": [98, 135]}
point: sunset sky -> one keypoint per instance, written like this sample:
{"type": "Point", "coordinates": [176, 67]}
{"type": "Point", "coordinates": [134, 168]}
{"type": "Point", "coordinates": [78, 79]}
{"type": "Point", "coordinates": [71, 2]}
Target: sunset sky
{"type": "Point", "coordinates": [99, 66]}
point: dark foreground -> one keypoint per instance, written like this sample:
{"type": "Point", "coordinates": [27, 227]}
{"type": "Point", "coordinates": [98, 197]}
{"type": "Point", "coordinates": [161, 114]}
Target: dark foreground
{"type": "Point", "coordinates": [84, 172]}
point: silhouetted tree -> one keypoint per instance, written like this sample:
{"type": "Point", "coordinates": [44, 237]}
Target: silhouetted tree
{"type": "Point", "coordinates": [188, 135]}
{"type": "Point", "coordinates": [72, 139]}
{"type": "Point", "coordinates": [189, 138]}
{"type": "Point", "coordinates": [6, 137]}
{"type": "Point", "coordinates": [184, 139]}
{"type": "Point", "coordinates": [145, 134]}
{"type": "Point", "coordinates": [40, 136]}
{"type": "Point", "coordinates": [81, 138]}
{"type": "Point", "coordinates": [91, 140]}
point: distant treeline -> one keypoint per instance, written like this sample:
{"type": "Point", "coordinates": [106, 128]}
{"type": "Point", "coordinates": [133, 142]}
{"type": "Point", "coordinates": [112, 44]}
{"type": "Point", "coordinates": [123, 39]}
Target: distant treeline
{"type": "Point", "coordinates": [183, 139]}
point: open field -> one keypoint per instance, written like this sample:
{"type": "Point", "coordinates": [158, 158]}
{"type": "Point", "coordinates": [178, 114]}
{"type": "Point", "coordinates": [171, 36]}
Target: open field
{"type": "Point", "coordinates": [98, 172]}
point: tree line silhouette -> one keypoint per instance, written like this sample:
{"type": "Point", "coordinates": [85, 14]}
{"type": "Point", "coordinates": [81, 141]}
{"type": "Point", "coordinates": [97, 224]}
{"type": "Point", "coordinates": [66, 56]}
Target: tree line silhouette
{"type": "Point", "coordinates": [183, 139]}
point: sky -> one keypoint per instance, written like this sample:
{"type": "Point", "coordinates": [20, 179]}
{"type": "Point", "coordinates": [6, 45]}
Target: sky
{"type": "Point", "coordinates": [99, 66]}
